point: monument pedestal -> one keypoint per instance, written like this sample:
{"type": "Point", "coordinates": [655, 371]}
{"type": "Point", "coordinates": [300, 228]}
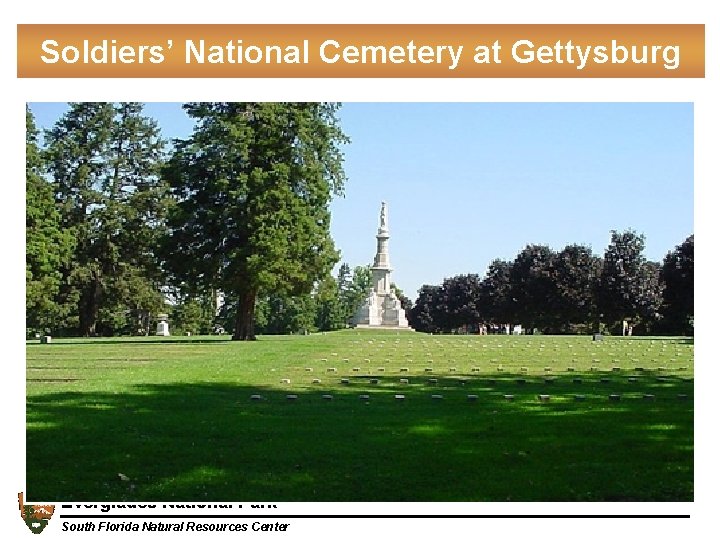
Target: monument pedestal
{"type": "Point", "coordinates": [381, 311]}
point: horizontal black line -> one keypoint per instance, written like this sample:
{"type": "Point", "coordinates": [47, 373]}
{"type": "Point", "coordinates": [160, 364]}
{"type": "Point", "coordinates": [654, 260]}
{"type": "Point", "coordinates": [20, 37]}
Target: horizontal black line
{"type": "Point", "coordinates": [380, 516]}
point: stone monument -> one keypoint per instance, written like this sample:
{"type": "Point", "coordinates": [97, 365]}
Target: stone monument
{"type": "Point", "coordinates": [382, 308]}
{"type": "Point", "coordinates": [163, 328]}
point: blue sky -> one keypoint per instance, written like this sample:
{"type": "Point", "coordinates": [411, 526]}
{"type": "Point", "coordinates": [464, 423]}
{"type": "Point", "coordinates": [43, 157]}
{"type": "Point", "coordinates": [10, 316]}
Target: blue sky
{"type": "Point", "coordinates": [467, 183]}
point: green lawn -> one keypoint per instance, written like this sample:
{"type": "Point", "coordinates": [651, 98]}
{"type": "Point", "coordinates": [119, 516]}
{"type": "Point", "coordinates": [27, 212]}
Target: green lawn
{"type": "Point", "coordinates": [172, 419]}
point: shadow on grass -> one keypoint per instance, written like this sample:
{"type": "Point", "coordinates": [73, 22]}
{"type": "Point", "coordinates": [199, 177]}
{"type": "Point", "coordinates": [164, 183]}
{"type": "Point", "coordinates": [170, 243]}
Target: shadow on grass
{"type": "Point", "coordinates": [212, 442]}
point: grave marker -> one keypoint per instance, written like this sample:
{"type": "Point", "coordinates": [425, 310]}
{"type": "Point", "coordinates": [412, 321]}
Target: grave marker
{"type": "Point", "coordinates": [163, 328]}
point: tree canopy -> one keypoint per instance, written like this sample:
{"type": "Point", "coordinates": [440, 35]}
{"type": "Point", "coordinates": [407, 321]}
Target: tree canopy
{"type": "Point", "coordinates": [48, 243]}
{"type": "Point", "coordinates": [568, 291]}
{"type": "Point", "coordinates": [677, 273]}
{"type": "Point", "coordinates": [628, 286]}
{"type": "Point", "coordinates": [104, 160]}
{"type": "Point", "coordinates": [251, 190]}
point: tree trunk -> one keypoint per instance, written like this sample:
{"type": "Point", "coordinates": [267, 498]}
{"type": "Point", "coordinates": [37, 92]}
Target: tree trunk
{"type": "Point", "coordinates": [245, 317]}
{"type": "Point", "coordinates": [89, 307]}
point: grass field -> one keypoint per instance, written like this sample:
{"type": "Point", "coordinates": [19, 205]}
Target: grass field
{"type": "Point", "coordinates": [174, 419]}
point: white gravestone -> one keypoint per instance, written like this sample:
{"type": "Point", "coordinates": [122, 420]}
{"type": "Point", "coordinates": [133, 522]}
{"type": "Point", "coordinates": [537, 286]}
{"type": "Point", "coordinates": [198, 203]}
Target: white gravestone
{"type": "Point", "coordinates": [163, 328]}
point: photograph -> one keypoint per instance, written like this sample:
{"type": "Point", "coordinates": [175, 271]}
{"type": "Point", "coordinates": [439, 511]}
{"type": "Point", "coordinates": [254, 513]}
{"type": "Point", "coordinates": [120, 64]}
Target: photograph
{"type": "Point", "coordinates": [360, 302]}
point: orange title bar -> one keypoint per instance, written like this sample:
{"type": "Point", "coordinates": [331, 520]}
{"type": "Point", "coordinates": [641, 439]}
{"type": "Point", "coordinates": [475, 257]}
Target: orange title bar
{"type": "Point", "coordinates": [361, 51]}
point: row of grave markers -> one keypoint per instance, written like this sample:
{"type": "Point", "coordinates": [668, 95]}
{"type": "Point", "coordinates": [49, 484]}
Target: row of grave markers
{"type": "Point", "coordinates": [543, 398]}
{"type": "Point", "coordinates": [463, 381]}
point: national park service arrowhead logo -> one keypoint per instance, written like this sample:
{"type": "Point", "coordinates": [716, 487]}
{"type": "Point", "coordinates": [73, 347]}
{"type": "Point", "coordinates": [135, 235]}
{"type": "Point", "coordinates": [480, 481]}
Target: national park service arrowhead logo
{"type": "Point", "coordinates": [35, 516]}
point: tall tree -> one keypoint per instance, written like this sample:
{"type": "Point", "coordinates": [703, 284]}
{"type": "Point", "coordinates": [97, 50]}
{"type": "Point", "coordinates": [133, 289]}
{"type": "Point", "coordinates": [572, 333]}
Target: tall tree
{"type": "Point", "coordinates": [532, 286]}
{"type": "Point", "coordinates": [329, 313]}
{"type": "Point", "coordinates": [628, 287]}
{"type": "Point", "coordinates": [429, 312]}
{"type": "Point", "coordinates": [496, 303]}
{"type": "Point", "coordinates": [463, 293]}
{"type": "Point", "coordinates": [252, 187]}
{"type": "Point", "coordinates": [104, 160]}
{"type": "Point", "coordinates": [678, 275]}
{"type": "Point", "coordinates": [575, 274]}
{"type": "Point", "coordinates": [48, 243]}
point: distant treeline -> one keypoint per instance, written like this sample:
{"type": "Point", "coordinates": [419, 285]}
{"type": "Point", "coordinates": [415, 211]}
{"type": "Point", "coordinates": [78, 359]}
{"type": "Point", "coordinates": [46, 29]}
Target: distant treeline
{"type": "Point", "coordinates": [568, 291]}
